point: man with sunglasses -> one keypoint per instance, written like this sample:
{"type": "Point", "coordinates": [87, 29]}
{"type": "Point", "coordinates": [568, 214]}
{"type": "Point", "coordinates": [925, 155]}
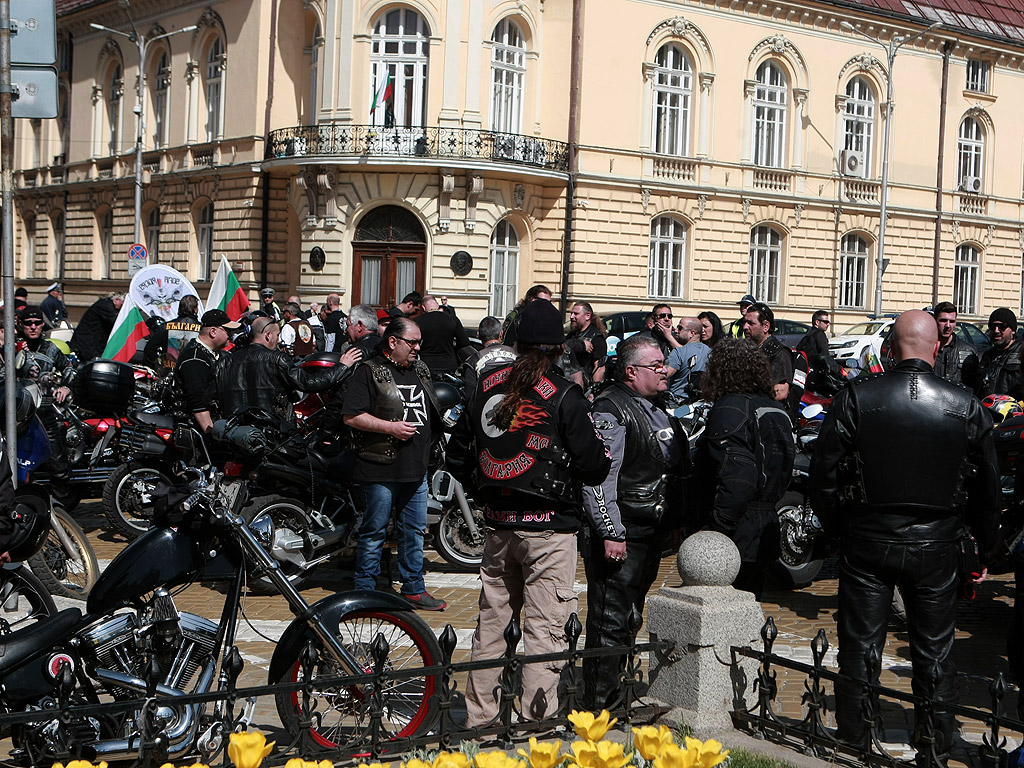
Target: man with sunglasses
{"type": "Point", "coordinates": [999, 372]}
{"type": "Point", "coordinates": [662, 329]}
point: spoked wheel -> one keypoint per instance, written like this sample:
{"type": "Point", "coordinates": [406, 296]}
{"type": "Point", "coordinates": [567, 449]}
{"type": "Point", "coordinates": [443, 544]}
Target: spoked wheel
{"type": "Point", "coordinates": [66, 570]}
{"type": "Point", "coordinates": [797, 557]}
{"type": "Point", "coordinates": [23, 600]}
{"type": "Point", "coordinates": [128, 497]}
{"type": "Point", "coordinates": [454, 541]}
{"type": "Point", "coordinates": [341, 715]}
{"type": "Point", "coordinates": [286, 516]}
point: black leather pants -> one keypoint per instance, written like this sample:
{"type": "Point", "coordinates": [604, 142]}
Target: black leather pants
{"type": "Point", "coordinates": [927, 576]}
{"type": "Point", "coordinates": [57, 465]}
{"type": "Point", "coordinates": [612, 589]}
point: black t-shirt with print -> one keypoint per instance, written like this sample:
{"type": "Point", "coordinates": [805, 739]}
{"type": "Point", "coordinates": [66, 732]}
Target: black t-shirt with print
{"type": "Point", "coordinates": [412, 455]}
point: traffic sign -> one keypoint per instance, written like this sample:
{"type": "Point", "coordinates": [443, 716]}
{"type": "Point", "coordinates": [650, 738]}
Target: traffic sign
{"type": "Point", "coordinates": [138, 258]}
{"type": "Point", "coordinates": [33, 55]}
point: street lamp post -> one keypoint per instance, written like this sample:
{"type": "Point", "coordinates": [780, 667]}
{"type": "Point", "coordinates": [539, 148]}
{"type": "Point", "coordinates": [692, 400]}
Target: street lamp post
{"type": "Point", "coordinates": [142, 43]}
{"type": "Point", "coordinates": [893, 46]}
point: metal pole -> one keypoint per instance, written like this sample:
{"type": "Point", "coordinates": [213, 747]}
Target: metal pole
{"type": "Point", "coordinates": [883, 213]}
{"type": "Point", "coordinates": [140, 106]}
{"type": "Point", "coordinates": [7, 189]}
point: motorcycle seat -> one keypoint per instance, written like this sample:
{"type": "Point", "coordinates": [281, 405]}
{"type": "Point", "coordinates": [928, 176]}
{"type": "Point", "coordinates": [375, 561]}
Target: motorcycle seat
{"type": "Point", "coordinates": [41, 636]}
{"type": "Point", "coordinates": [336, 469]}
{"type": "Point", "coordinates": [157, 420]}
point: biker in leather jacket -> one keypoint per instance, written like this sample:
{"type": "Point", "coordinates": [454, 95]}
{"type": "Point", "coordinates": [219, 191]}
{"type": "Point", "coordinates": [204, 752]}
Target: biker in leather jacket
{"type": "Point", "coordinates": [903, 462]}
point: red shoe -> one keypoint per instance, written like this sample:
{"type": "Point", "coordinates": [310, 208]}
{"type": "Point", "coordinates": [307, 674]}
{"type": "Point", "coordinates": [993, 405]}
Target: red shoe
{"type": "Point", "coordinates": [424, 601]}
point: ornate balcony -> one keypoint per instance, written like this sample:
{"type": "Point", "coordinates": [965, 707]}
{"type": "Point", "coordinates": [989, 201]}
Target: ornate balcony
{"type": "Point", "coordinates": [344, 140]}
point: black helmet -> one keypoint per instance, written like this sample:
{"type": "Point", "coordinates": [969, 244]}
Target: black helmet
{"type": "Point", "coordinates": [30, 519]}
{"type": "Point", "coordinates": [448, 395]}
{"type": "Point", "coordinates": [24, 406]}
{"type": "Point", "coordinates": [155, 323]}
{"type": "Point", "coordinates": [244, 334]}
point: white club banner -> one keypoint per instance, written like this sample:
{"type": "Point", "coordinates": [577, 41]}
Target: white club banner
{"type": "Point", "coordinates": [157, 289]}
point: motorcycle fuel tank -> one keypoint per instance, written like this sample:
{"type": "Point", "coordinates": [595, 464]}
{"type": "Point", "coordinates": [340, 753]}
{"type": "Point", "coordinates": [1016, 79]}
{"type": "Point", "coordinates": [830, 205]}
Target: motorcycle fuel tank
{"type": "Point", "coordinates": [162, 557]}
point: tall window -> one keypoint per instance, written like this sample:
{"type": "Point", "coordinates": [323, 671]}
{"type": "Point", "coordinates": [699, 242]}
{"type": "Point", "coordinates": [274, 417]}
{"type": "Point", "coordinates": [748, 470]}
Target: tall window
{"type": "Point", "coordinates": [315, 44]}
{"type": "Point", "coordinates": [30, 246]}
{"type": "Point", "coordinates": [107, 243]}
{"type": "Point", "coordinates": [153, 235]}
{"type": "Point", "coordinates": [508, 69]}
{"type": "Point", "coordinates": [765, 261]}
{"type": "Point", "coordinates": [673, 91]}
{"type": "Point", "coordinates": [57, 223]}
{"type": "Point", "coordinates": [860, 120]}
{"type": "Point", "coordinates": [853, 271]}
{"type": "Point", "coordinates": [204, 238]}
{"type": "Point", "coordinates": [114, 110]}
{"type": "Point", "coordinates": [970, 155]}
{"type": "Point", "coordinates": [214, 74]}
{"type": "Point", "coordinates": [398, 59]}
{"type": "Point", "coordinates": [966, 267]}
{"type": "Point", "coordinates": [770, 101]}
{"type": "Point", "coordinates": [161, 87]}
{"type": "Point", "coordinates": [504, 269]}
{"type": "Point", "coordinates": [667, 263]}
{"type": "Point", "coordinates": [977, 75]}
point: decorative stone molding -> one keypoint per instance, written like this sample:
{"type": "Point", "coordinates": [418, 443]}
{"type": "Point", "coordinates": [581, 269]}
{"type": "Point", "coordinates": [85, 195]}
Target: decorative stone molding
{"type": "Point", "coordinates": [307, 182]}
{"type": "Point", "coordinates": [956, 229]}
{"type": "Point", "coordinates": [519, 195]}
{"type": "Point", "coordinates": [680, 28]}
{"type": "Point", "coordinates": [864, 62]}
{"type": "Point", "coordinates": [191, 69]}
{"type": "Point", "coordinates": [326, 179]}
{"type": "Point", "coordinates": [798, 212]}
{"type": "Point", "coordinates": [474, 186]}
{"type": "Point", "coordinates": [746, 209]}
{"type": "Point", "coordinates": [1020, 237]}
{"type": "Point", "coordinates": [706, 79]}
{"type": "Point", "coordinates": [645, 198]}
{"type": "Point", "coordinates": [195, 188]}
{"type": "Point", "coordinates": [991, 233]}
{"type": "Point", "coordinates": [444, 201]}
{"type": "Point", "coordinates": [97, 94]}
{"type": "Point", "coordinates": [702, 203]}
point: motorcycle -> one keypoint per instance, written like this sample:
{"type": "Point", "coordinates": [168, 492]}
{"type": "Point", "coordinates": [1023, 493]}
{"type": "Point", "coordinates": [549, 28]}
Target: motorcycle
{"type": "Point", "coordinates": [83, 659]}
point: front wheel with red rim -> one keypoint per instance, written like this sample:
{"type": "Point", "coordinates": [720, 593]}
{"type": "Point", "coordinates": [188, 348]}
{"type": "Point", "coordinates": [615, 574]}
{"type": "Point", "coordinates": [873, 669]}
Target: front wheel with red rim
{"type": "Point", "coordinates": [341, 714]}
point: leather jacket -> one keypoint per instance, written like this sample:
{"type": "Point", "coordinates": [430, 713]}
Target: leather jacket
{"type": "Point", "coordinates": [256, 377]}
{"type": "Point", "coordinates": [957, 363]}
{"type": "Point", "coordinates": [999, 372]}
{"type": "Point", "coordinates": [906, 457]}
{"type": "Point", "coordinates": [377, 447]}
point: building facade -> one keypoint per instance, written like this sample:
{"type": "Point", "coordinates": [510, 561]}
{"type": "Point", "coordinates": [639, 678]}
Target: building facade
{"type": "Point", "coordinates": [695, 152]}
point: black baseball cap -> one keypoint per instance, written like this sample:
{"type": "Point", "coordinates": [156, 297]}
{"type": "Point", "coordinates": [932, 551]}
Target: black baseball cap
{"type": "Point", "coordinates": [218, 318]}
{"type": "Point", "coordinates": [747, 300]}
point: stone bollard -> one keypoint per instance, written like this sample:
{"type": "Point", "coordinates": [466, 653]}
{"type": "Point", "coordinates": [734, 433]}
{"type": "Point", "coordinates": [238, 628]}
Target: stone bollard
{"type": "Point", "coordinates": [705, 617]}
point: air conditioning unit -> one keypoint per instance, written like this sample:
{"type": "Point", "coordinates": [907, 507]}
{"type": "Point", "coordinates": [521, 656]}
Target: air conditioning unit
{"type": "Point", "coordinates": [852, 162]}
{"type": "Point", "coordinates": [971, 184]}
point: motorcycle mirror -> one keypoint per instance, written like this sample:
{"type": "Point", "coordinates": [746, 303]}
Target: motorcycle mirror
{"type": "Point", "coordinates": [812, 411]}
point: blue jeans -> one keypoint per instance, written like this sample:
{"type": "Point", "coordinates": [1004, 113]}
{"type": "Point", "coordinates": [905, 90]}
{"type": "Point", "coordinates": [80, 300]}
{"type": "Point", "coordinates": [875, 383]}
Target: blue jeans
{"type": "Point", "coordinates": [410, 500]}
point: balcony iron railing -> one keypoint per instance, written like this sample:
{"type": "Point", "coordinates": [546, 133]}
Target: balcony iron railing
{"type": "Point", "coordinates": [333, 139]}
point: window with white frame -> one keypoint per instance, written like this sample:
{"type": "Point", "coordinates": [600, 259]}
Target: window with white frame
{"type": "Point", "coordinates": [114, 110]}
{"type": "Point", "coordinates": [161, 88]}
{"type": "Point", "coordinates": [859, 120]}
{"type": "Point", "coordinates": [853, 271]}
{"type": "Point", "coordinates": [213, 81]}
{"type": "Point", "coordinates": [508, 71]}
{"type": "Point", "coordinates": [966, 269]}
{"type": "Point", "coordinates": [107, 243]}
{"type": "Point", "coordinates": [398, 64]}
{"type": "Point", "coordinates": [770, 107]}
{"type": "Point", "coordinates": [673, 94]}
{"type": "Point", "coordinates": [314, 49]}
{"type": "Point", "coordinates": [667, 263]}
{"type": "Point", "coordinates": [970, 155]}
{"type": "Point", "coordinates": [204, 239]}
{"type": "Point", "coordinates": [153, 234]}
{"type": "Point", "coordinates": [977, 75]}
{"type": "Point", "coordinates": [504, 269]}
{"type": "Point", "coordinates": [765, 263]}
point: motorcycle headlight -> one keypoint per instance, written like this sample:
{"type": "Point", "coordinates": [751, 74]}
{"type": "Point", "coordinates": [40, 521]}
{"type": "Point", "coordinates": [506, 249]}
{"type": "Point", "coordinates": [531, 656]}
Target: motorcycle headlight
{"type": "Point", "coordinates": [262, 527]}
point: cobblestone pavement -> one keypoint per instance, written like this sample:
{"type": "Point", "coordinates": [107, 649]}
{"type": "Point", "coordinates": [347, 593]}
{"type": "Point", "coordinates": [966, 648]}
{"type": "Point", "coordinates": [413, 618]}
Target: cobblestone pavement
{"type": "Point", "coordinates": [979, 651]}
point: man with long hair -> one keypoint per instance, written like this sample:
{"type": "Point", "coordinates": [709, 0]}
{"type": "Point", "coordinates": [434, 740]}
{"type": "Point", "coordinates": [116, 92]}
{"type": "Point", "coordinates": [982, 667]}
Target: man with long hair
{"type": "Point", "coordinates": [586, 342]}
{"type": "Point", "coordinates": [747, 454]}
{"type": "Point", "coordinates": [524, 448]}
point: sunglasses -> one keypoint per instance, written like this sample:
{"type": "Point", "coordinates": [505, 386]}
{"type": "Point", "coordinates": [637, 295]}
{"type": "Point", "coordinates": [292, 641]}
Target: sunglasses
{"type": "Point", "coordinates": [410, 342]}
{"type": "Point", "coordinates": [31, 323]}
{"type": "Point", "coordinates": [664, 316]}
{"type": "Point", "coordinates": [997, 326]}
{"type": "Point", "coordinates": [651, 366]}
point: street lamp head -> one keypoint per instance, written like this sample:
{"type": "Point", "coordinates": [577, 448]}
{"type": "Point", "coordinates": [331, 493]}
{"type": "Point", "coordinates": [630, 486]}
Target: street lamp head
{"type": "Point", "coordinates": [847, 25]}
{"type": "Point", "coordinates": [126, 4]}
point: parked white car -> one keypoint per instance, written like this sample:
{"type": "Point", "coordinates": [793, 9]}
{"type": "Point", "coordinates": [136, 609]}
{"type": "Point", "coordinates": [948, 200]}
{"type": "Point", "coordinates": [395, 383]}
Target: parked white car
{"type": "Point", "coordinates": [852, 343]}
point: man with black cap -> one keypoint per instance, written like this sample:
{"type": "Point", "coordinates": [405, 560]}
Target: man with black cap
{"type": "Point", "coordinates": [53, 308]}
{"type": "Point", "coordinates": [269, 305]}
{"type": "Point", "coordinates": [194, 371]}
{"type": "Point", "coordinates": [524, 448]}
{"type": "Point", "coordinates": [736, 327]}
{"type": "Point", "coordinates": [999, 372]}
{"type": "Point", "coordinates": [21, 299]}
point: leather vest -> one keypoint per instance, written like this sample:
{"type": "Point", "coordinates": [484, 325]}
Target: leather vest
{"type": "Point", "coordinates": [180, 332]}
{"type": "Point", "coordinates": [528, 457]}
{"type": "Point", "coordinates": [890, 465]}
{"type": "Point", "coordinates": [377, 447]}
{"type": "Point", "coordinates": [304, 343]}
{"type": "Point", "coordinates": [949, 364]}
{"type": "Point", "coordinates": [1000, 372]}
{"type": "Point", "coordinates": [645, 478]}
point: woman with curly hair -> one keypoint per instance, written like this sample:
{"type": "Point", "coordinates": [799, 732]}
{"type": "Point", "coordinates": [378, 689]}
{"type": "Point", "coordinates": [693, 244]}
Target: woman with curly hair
{"type": "Point", "coordinates": [747, 454]}
{"type": "Point", "coordinates": [711, 328]}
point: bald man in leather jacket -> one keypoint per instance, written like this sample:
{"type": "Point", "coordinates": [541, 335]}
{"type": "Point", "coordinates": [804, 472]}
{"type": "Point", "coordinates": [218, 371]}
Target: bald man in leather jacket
{"type": "Point", "coordinates": [903, 462]}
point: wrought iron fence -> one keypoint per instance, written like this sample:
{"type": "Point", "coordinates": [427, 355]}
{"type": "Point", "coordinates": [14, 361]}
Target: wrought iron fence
{"type": "Point", "coordinates": [64, 719]}
{"type": "Point", "coordinates": [810, 733]}
{"type": "Point", "coordinates": [336, 139]}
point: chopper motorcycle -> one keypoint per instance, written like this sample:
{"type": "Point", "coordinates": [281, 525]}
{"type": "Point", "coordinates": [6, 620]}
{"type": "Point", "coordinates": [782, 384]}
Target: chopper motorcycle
{"type": "Point", "coordinates": [109, 652]}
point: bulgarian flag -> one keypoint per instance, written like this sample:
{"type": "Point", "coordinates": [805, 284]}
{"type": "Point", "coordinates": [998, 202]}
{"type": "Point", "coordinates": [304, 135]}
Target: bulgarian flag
{"type": "Point", "coordinates": [384, 90]}
{"type": "Point", "coordinates": [129, 329]}
{"type": "Point", "coordinates": [226, 293]}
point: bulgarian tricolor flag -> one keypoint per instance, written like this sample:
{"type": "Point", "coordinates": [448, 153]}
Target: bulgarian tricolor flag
{"type": "Point", "coordinates": [129, 330]}
{"type": "Point", "coordinates": [384, 90]}
{"type": "Point", "coordinates": [226, 293]}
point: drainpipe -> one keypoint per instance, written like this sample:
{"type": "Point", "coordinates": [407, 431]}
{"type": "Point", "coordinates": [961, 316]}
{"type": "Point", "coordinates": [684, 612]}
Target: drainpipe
{"type": "Point", "coordinates": [575, 77]}
{"type": "Point", "coordinates": [265, 180]}
{"type": "Point", "coordinates": [947, 48]}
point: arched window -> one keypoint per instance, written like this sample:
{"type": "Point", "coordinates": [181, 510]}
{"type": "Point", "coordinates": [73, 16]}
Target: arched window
{"type": "Point", "coordinates": [853, 271]}
{"type": "Point", "coordinates": [204, 241]}
{"type": "Point", "coordinates": [666, 266]}
{"type": "Point", "coordinates": [765, 264]}
{"type": "Point", "coordinates": [673, 93]}
{"type": "Point", "coordinates": [398, 61]}
{"type": "Point", "coordinates": [107, 242]}
{"type": "Point", "coordinates": [114, 94]}
{"type": "Point", "coordinates": [966, 268]}
{"type": "Point", "coordinates": [859, 124]}
{"type": "Point", "coordinates": [212, 82]}
{"type": "Point", "coordinates": [508, 69]}
{"type": "Point", "coordinates": [770, 107]}
{"type": "Point", "coordinates": [970, 155]}
{"type": "Point", "coordinates": [504, 269]}
{"type": "Point", "coordinates": [161, 81]}
{"type": "Point", "coordinates": [153, 234]}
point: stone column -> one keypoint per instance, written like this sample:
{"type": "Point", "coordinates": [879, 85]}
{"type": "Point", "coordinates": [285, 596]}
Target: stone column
{"type": "Point", "coordinates": [705, 617]}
